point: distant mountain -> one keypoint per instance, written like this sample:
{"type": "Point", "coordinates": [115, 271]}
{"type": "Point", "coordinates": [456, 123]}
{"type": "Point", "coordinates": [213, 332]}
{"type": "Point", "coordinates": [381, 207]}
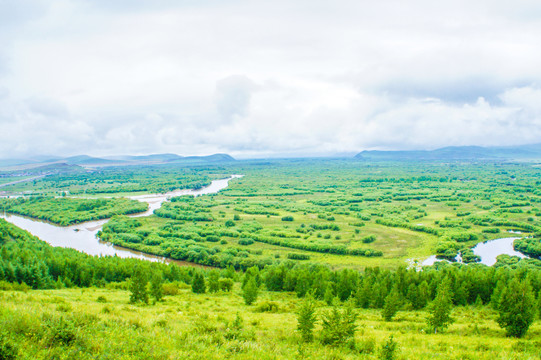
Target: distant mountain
{"type": "Point", "coordinates": [92, 162]}
{"type": "Point", "coordinates": [153, 157]}
{"type": "Point", "coordinates": [521, 152]}
{"type": "Point", "coordinates": [85, 160]}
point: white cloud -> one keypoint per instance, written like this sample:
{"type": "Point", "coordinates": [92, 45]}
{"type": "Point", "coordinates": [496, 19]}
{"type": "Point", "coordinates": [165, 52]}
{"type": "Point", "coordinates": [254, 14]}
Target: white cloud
{"type": "Point", "coordinates": [262, 78]}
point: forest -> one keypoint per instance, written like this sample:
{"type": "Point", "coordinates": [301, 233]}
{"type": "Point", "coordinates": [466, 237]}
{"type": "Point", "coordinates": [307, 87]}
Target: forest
{"type": "Point", "coordinates": [324, 256]}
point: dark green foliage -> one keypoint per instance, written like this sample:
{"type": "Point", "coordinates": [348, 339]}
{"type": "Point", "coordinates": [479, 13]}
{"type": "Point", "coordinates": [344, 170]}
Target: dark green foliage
{"type": "Point", "coordinates": [250, 291]}
{"type": "Point", "coordinates": [287, 218]}
{"type": "Point", "coordinates": [440, 309]}
{"type": "Point", "coordinates": [306, 319]}
{"type": "Point", "coordinates": [338, 326]}
{"type": "Point", "coordinates": [517, 308]}
{"type": "Point", "coordinates": [230, 223]}
{"type": "Point", "coordinates": [214, 281]}
{"type": "Point", "coordinates": [198, 283]}
{"type": "Point", "coordinates": [138, 286]}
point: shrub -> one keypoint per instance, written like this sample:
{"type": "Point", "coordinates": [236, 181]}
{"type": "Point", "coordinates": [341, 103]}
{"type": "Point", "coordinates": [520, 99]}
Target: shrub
{"type": "Point", "coordinates": [246, 242]}
{"type": "Point", "coordinates": [369, 239]}
{"type": "Point", "coordinates": [287, 218]}
{"type": "Point", "coordinates": [295, 256]}
{"type": "Point", "coordinates": [268, 306]}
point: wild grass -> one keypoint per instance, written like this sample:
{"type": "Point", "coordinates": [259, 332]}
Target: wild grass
{"type": "Point", "coordinates": [99, 323]}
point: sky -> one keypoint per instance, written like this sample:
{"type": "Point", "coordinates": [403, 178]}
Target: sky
{"type": "Point", "coordinates": [266, 78]}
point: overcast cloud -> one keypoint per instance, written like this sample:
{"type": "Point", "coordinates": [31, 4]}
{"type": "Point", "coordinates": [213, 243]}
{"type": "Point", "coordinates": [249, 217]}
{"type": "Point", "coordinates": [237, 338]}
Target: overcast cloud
{"type": "Point", "coordinates": [262, 78]}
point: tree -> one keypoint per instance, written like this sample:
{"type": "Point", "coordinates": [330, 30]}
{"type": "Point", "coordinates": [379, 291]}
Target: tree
{"type": "Point", "coordinates": [306, 319]}
{"type": "Point", "coordinates": [516, 308]}
{"type": "Point", "coordinates": [389, 349]}
{"type": "Point", "coordinates": [198, 283]}
{"type": "Point", "coordinates": [391, 305]}
{"type": "Point", "coordinates": [440, 309]}
{"type": "Point", "coordinates": [250, 291]}
{"type": "Point", "coordinates": [338, 327]}
{"type": "Point", "coordinates": [138, 286]}
{"type": "Point", "coordinates": [156, 286]}
{"type": "Point", "coordinates": [214, 281]}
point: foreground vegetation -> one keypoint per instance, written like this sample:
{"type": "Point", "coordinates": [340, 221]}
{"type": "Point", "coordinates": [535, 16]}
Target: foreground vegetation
{"type": "Point", "coordinates": [99, 323]}
{"type": "Point", "coordinates": [107, 307]}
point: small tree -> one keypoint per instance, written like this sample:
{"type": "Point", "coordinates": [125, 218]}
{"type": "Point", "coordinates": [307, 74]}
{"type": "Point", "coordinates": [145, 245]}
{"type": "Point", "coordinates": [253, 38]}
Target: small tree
{"type": "Point", "coordinates": [138, 286]}
{"type": "Point", "coordinates": [156, 286]}
{"type": "Point", "coordinates": [250, 291]}
{"type": "Point", "coordinates": [214, 281]}
{"type": "Point", "coordinates": [516, 308]}
{"type": "Point", "coordinates": [440, 309]}
{"type": "Point", "coordinates": [338, 327]}
{"type": "Point", "coordinates": [198, 283]}
{"type": "Point", "coordinates": [391, 305]}
{"type": "Point", "coordinates": [306, 318]}
{"type": "Point", "coordinates": [389, 349]}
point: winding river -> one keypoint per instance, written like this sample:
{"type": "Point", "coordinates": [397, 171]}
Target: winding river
{"type": "Point", "coordinates": [82, 237]}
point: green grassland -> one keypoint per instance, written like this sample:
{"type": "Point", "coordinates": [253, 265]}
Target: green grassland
{"type": "Point", "coordinates": [99, 323]}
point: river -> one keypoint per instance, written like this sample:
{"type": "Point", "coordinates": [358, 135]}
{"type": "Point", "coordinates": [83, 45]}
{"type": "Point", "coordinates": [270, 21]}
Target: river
{"type": "Point", "coordinates": [82, 237]}
{"type": "Point", "coordinates": [488, 251]}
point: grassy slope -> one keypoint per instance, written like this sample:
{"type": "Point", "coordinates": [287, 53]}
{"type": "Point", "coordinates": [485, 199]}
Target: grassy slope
{"type": "Point", "coordinates": [189, 326]}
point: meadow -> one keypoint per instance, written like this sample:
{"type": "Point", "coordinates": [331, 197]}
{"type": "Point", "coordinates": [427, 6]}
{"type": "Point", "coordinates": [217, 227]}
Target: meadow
{"type": "Point", "coordinates": [100, 323]}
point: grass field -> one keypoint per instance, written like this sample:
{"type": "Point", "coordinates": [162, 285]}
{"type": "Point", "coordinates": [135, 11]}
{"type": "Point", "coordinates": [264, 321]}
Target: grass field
{"type": "Point", "coordinates": [99, 323]}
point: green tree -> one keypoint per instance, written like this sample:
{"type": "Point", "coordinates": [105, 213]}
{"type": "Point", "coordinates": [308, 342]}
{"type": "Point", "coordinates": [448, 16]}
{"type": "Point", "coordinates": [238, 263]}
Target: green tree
{"type": "Point", "coordinates": [214, 281]}
{"type": "Point", "coordinates": [198, 283]}
{"type": "Point", "coordinates": [516, 308]}
{"type": "Point", "coordinates": [389, 349]}
{"type": "Point", "coordinates": [391, 305]}
{"type": "Point", "coordinates": [138, 286]}
{"type": "Point", "coordinates": [306, 319]}
{"type": "Point", "coordinates": [156, 286]}
{"type": "Point", "coordinates": [338, 326]}
{"type": "Point", "coordinates": [440, 309]}
{"type": "Point", "coordinates": [250, 291]}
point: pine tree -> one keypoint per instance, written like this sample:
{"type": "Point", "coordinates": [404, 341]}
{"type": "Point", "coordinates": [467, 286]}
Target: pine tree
{"type": "Point", "coordinates": [156, 287]}
{"type": "Point", "coordinates": [440, 308]}
{"type": "Point", "coordinates": [516, 308]}
{"type": "Point", "coordinates": [138, 286]}
{"type": "Point", "coordinates": [306, 318]}
{"type": "Point", "coordinates": [198, 283]}
{"type": "Point", "coordinates": [250, 291]}
{"type": "Point", "coordinates": [338, 327]}
{"type": "Point", "coordinates": [391, 306]}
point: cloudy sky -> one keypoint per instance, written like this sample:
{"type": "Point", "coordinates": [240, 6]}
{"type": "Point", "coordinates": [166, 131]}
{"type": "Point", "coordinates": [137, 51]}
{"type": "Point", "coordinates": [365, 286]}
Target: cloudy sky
{"type": "Point", "coordinates": [266, 78]}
